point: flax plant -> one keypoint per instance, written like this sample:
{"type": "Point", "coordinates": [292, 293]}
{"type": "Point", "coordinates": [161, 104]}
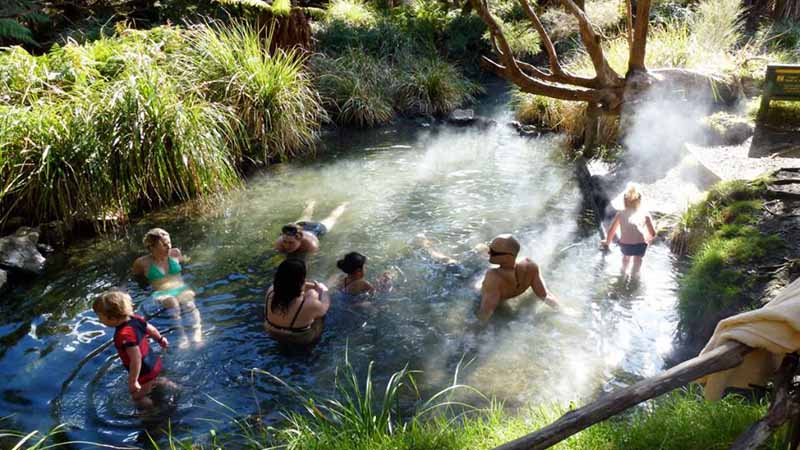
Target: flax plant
{"type": "Point", "coordinates": [270, 93]}
{"type": "Point", "coordinates": [166, 144]}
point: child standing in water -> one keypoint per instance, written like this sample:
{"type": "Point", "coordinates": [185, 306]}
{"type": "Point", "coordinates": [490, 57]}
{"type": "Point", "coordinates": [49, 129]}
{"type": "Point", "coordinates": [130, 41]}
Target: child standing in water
{"type": "Point", "coordinates": [353, 282]}
{"type": "Point", "coordinates": [115, 309]}
{"type": "Point", "coordinates": [633, 224]}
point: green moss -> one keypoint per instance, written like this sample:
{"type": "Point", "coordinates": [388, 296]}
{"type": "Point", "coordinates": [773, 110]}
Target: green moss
{"type": "Point", "coordinates": [722, 238]}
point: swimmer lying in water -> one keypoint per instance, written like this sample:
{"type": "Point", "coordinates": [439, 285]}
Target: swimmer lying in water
{"type": "Point", "coordinates": [302, 237]}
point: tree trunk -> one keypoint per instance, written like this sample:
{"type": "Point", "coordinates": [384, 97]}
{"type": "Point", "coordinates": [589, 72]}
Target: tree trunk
{"type": "Point", "coordinates": [287, 32]}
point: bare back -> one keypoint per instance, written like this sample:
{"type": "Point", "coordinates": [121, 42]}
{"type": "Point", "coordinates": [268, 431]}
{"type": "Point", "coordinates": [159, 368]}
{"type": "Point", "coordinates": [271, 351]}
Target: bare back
{"type": "Point", "coordinates": [309, 305]}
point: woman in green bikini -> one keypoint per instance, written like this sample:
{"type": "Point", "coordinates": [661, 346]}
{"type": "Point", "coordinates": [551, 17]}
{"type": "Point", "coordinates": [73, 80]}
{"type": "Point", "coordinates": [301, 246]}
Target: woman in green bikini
{"type": "Point", "coordinates": [162, 269]}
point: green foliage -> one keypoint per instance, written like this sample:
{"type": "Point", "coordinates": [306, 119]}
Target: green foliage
{"type": "Point", "coordinates": [13, 31]}
{"type": "Point", "coordinates": [355, 88]}
{"type": "Point", "coordinates": [521, 37]}
{"type": "Point", "coordinates": [145, 118]}
{"type": "Point", "coordinates": [432, 87]}
{"type": "Point", "coordinates": [271, 94]}
{"type": "Point", "coordinates": [721, 235]}
{"type": "Point", "coordinates": [353, 13]}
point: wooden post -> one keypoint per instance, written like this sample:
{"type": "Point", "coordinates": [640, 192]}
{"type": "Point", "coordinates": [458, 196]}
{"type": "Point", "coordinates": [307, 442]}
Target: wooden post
{"type": "Point", "coordinates": [724, 357]}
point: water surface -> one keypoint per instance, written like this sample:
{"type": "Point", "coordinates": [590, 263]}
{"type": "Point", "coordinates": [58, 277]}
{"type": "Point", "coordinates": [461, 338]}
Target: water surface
{"type": "Point", "coordinates": [458, 187]}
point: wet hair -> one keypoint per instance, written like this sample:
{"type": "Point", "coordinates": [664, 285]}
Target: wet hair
{"type": "Point", "coordinates": [632, 196]}
{"type": "Point", "coordinates": [288, 283]}
{"type": "Point", "coordinates": [292, 229]}
{"type": "Point", "coordinates": [154, 236]}
{"type": "Point", "coordinates": [113, 304]}
{"type": "Point", "coordinates": [351, 263]}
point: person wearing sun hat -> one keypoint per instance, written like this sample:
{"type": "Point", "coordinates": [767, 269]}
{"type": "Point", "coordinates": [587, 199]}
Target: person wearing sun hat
{"type": "Point", "coordinates": [511, 279]}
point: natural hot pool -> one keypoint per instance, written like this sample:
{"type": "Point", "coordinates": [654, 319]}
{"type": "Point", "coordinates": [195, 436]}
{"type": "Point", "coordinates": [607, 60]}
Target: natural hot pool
{"type": "Point", "coordinates": [459, 187]}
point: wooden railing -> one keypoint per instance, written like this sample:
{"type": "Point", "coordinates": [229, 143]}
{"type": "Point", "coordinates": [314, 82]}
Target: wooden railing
{"type": "Point", "coordinates": [784, 407]}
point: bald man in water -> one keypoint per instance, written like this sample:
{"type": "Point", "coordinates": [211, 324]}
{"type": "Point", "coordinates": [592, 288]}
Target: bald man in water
{"type": "Point", "coordinates": [511, 279]}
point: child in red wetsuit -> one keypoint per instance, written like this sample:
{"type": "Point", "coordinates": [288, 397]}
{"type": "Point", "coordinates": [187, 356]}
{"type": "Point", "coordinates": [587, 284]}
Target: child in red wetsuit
{"type": "Point", "coordinates": [115, 309]}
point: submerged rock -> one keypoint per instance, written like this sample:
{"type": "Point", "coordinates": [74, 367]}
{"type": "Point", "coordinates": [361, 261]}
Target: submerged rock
{"type": "Point", "coordinates": [466, 117]}
{"type": "Point", "coordinates": [18, 252]}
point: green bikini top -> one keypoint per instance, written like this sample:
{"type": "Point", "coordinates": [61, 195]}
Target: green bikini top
{"type": "Point", "coordinates": [155, 273]}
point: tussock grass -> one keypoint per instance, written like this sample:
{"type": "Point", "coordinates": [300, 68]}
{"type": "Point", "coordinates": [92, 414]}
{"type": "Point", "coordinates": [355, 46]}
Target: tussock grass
{"type": "Point", "coordinates": [521, 37]}
{"type": "Point", "coordinates": [271, 94]}
{"type": "Point", "coordinates": [354, 88]}
{"type": "Point", "coordinates": [432, 87]}
{"type": "Point", "coordinates": [144, 118]}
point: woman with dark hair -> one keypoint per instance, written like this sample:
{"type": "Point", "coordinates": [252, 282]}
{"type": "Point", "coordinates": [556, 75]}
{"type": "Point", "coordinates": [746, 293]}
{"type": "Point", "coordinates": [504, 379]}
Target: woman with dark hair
{"type": "Point", "coordinates": [353, 282]}
{"type": "Point", "coordinates": [295, 309]}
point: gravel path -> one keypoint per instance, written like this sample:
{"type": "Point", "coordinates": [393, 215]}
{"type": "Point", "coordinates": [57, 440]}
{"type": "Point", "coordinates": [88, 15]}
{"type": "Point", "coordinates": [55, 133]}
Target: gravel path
{"type": "Point", "coordinates": [732, 163]}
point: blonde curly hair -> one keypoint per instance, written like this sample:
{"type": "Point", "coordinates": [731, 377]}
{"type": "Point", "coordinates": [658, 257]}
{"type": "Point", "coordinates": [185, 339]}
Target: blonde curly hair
{"type": "Point", "coordinates": [154, 236]}
{"type": "Point", "coordinates": [113, 304]}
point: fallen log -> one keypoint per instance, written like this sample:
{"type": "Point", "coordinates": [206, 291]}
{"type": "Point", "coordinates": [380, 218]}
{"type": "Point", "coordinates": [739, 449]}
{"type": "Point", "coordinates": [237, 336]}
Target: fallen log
{"type": "Point", "coordinates": [782, 408]}
{"type": "Point", "coordinates": [724, 357]}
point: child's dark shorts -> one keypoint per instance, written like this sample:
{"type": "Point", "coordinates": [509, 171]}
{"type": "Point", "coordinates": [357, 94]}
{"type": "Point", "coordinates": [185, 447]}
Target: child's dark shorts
{"type": "Point", "coordinates": [317, 228]}
{"type": "Point", "coordinates": [633, 249]}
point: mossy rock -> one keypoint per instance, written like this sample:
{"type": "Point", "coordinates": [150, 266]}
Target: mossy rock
{"type": "Point", "coordinates": [723, 128]}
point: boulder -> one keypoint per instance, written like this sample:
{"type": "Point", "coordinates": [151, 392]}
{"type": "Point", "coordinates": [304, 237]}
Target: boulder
{"type": "Point", "coordinates": [461, 117]}
{"type": "Point", "coordinates": [18, 252]}
{"type": "Point", "coordinates": [55, 233]}
{"type": "Point", "coordinates": [727, 129]}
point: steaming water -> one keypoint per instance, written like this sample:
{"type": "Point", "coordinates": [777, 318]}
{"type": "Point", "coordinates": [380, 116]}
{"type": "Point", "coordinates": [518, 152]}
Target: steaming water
{"type": "Point", "coordinates": [458, 187]}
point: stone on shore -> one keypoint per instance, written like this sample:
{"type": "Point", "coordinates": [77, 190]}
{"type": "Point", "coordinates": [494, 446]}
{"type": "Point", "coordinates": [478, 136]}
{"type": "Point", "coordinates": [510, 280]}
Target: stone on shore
{"type": "Point", "coordinates": [18, 252]}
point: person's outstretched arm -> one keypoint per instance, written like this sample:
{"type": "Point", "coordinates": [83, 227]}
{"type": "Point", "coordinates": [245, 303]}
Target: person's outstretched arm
{"type": "Point", "coordinates": [541, 291]}
{"type": "Point", "coordinates": [154, 333]}
{"type": "Point", "coordinates": [490, 298]}
{"type": "Point", "coordinates": [134, 369]}
{"type": "Point", "coordinates": [612, 231]}
{"type": "Point", "coordinates": [648, 221]}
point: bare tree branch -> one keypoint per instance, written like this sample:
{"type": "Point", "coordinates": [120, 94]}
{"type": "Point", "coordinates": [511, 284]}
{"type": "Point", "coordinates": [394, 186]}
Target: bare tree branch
{"type": "Point", "coordinates": [606, 75]}
{"type": "Point", "coordinates": [552, 56]}
{"type": "Point", "coordinates": [636, 60]}
{"type": "Point", "coordinates": [530, 85]}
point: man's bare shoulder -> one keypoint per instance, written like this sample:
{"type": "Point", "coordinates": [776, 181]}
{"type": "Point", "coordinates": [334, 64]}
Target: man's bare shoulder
{"type": "Point", "coordinates": [492, 278]}
{"type": "Point", "coordinates": [528, 264]}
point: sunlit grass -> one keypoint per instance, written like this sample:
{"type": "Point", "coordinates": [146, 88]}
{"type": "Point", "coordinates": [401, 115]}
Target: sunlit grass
{"type": "Point", "coordinates": [271, 94]}
{"type": "Point", "coordinates": [721, 235]}
{"type": "Point", "coordinates": [355, 13]}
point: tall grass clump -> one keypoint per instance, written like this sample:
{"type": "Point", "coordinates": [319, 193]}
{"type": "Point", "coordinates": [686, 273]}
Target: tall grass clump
{"type": "Point", "coordinates": [356, 88]}
{"type": "Point", "coordinates": [432, 87]}
{"type": "Point", "coordinates": [51, 162]}
{"type": "Point", "coordinates": [270, 93]}
{"type": "Point", "coordinates": [168, 145]}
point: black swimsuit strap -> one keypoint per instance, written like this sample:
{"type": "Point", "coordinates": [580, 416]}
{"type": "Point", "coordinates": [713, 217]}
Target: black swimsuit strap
{"type": "Point", "coordinates": [297, 313]}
